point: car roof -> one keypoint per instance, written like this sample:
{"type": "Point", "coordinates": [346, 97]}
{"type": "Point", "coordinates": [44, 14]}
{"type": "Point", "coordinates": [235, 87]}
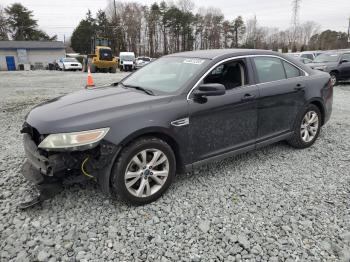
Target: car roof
{"type": "Point", "coordinates": [217, 53]}
{"type": "Point", "coordinates": [338, 52]}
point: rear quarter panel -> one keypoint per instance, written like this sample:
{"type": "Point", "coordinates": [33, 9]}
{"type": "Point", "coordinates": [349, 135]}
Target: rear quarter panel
{"type": "Point", "coordinates": [319, 89]}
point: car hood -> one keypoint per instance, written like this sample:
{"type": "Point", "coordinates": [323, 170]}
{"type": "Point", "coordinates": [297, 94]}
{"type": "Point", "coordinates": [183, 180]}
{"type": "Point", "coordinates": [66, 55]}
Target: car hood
{"type": "Point", "coordinates": [316, 65]}
{"type": "Point", "coordinates": [90, 109]}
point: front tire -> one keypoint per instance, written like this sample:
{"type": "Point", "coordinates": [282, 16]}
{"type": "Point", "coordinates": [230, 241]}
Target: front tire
{"type": "Point", "coordinates": [307, 128]}
{"type": "Point", "coordinates": [143, 171]}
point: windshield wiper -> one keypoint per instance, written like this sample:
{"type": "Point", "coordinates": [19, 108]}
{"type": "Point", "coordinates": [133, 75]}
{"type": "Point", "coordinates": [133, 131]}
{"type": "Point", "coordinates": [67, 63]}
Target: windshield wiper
{"type": "Point", "coordinates": [147, 91]}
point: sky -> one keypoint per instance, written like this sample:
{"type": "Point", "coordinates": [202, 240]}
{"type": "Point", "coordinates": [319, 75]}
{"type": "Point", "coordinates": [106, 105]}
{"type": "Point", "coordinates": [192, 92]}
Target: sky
{"type": "Point", "coordinates": [60, 17]}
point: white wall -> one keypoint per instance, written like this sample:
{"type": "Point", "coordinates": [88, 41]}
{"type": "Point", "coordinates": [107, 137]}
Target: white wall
{"type": "Point", "coordinates": [34, 56]}
{"type": "Point", "coordinates": [44, 56]}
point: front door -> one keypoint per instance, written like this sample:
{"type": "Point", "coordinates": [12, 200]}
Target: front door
{"type": "Point", "coordinates": [344, 67]}
{"type": "Point", "coordinates": [11, 65]}
{"type": "Point", "coordinates": [221, 124]}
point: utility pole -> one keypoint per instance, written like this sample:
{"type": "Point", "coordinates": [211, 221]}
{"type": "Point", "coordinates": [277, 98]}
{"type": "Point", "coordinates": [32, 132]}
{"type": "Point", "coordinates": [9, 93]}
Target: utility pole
{"type": "Point", "coordinates": [115, 10]}
{"type": "Point", "coordinates": [349, 33]}
{"type": "Point", "coordinates": [295, 19]}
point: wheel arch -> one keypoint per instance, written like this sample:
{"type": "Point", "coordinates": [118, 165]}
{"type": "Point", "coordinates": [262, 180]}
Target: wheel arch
{"type": "Point", "coordinates": [334, 71]}
{"type": "Point", "coordinates": [160, 133]}
{"type": "Point", "coordinates": [320, 106]}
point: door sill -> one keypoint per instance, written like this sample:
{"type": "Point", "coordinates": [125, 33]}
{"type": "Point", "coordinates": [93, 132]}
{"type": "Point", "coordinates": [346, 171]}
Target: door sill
{"type": "Point", "coordinates": [205, 161]}
{"type": "Point", "coordinates": [261, 144]}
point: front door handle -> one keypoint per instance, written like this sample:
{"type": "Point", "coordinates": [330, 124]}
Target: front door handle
{"type": "Point", "coordinates": [248, 97]}
{"type": "Point", "coordinates": [299, 87]}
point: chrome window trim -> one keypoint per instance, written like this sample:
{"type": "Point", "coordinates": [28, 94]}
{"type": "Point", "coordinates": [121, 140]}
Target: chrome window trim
{"type": "Point", "coordinates": [240, 57]}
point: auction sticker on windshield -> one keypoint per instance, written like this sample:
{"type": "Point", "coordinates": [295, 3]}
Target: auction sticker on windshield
{"type": "Point", "coordinates": [193, 61]}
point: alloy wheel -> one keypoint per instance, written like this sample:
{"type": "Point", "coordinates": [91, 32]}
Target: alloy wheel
{"type": "Point", "coordinates": [309, 126]}
{"type": "Point", "coordinates": [333, 79]}
{"type": "Point", "coordinates": [146, 173]}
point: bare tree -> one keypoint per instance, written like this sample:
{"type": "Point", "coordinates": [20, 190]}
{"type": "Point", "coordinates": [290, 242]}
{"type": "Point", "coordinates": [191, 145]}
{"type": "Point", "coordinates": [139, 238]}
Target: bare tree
{"type": "Point", "coordinates": [3, 25]}
{"type": "Point", "coordinates": [185, 5]}
{"type": "Point", "coordinates": [251, 33]}
{"type": "Point", "coordinates": [309, 28]}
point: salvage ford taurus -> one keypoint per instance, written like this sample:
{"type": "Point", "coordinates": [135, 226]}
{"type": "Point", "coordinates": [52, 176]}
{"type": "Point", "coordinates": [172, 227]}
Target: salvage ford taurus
{"type": "Point", "coordinates": [172, 115]}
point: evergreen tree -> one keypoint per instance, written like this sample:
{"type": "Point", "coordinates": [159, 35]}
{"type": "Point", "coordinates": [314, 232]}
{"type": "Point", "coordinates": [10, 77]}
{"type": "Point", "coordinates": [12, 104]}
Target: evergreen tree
{"type": "Point", "coordinates": [21, 24]}
{"type": "Point", "coordinates": [82, 34]}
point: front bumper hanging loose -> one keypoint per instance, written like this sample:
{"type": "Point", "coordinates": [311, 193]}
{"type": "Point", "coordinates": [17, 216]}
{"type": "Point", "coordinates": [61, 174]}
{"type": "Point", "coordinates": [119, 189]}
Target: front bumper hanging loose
{"type": "Point", "coordinates": [47, 171]}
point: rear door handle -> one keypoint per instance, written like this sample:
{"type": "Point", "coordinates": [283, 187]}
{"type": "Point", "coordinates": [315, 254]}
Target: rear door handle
{"type": "Point", "coordinates": [299, 87]}
{"type": "Point", "coordinates": [248, 97]}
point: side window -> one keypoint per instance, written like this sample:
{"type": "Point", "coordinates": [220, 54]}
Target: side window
{"type": "Point", "coordinates": [308, 56]}
{"type": "Point", "coordinates": [231, 74]}
{"type": "Point", "coordinates": [269, 69]}
{"type": "Point", "coordinates": [291, 71]}
{"type": "Point", "coordinates": [346, 57]}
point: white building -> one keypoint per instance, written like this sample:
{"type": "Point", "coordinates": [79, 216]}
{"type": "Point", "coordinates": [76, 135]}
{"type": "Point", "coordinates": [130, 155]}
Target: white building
{"type": "Point", "coordinates": [37, 54]}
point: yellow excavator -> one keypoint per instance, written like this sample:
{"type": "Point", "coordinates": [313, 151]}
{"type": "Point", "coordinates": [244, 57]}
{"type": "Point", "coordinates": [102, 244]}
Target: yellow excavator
{"type": "Point", "coordinates": [101, 58]}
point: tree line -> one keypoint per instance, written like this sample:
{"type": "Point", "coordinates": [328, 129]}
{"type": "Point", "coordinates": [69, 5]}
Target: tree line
{"type": "Point", "coordinates": [17, 23]}
{"type": "Point", "coordinates": [167, 27]}
{"type": "Point", "coordinates": [164, 28]}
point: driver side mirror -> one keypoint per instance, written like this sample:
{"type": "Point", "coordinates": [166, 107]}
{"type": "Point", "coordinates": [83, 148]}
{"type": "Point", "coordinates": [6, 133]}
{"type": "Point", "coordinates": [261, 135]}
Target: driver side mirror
{"type": "Point", "coordinates": [209, 90]}
{"type": "Point", "coordinates": [344, 61]}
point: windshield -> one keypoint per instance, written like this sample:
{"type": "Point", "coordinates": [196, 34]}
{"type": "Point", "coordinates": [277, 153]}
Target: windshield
{"type": "Point", "coordinates": [146, 59]}
{"type": "Point", "coordinates": [324, 58]}
{"type": "Point", "coordinates": [166, 75]}
{"type": "Point", "coordinates": [70, 60]}
{"type": "Point", "coordinates": [127, 57]}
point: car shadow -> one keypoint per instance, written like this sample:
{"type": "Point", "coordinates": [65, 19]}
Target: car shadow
{"type": "Point", "coordinates": [90, 191]}
{"type": "Point", "coordinates": [344, 83]}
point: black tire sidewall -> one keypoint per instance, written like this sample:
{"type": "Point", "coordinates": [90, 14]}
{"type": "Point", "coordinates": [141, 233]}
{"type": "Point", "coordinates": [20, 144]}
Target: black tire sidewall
{"type": "Point", "coordinates": [119, 168]}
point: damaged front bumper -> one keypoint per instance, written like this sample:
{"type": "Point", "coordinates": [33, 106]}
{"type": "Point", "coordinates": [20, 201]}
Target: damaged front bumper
{"type": "Point", "coordinates": [47, 170]}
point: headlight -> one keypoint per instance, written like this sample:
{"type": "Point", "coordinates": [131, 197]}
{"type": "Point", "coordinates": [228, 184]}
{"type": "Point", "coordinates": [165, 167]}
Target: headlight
{"type": "Point", "coordinates": [323, 68]}
{"type": "Point", "coordinates": [74, 141]}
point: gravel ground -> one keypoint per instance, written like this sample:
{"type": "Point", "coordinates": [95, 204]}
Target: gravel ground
{"type": "Point", "coordinates": [274, 204]}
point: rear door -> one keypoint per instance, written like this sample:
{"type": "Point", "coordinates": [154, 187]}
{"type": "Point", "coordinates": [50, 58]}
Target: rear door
{"type": "Point", "coordinates": [281, 87]}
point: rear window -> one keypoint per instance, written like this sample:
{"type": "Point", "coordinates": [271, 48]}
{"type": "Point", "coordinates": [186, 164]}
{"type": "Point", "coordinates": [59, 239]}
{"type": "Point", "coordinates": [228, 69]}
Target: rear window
{"type": "Point", "coordinates": [269, 69]}
{"type": "Point", "coordinates": [106, 54]}
{"type": "Point", "coordinates": [291, 71]}
{"type": "Point", "coordinates": [146, 59]}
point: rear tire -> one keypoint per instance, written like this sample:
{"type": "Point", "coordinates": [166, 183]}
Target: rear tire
{"type": "Point", "coordinates": [307, 128]}
{"type": "Point", "coordinates": [143, 171]}
{"type": "Point", "coordinates": [113, 70]}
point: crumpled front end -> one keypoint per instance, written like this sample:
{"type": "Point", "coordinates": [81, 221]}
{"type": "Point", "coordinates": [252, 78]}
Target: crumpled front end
{"type": "Point", "coordinates": [48, 169]}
